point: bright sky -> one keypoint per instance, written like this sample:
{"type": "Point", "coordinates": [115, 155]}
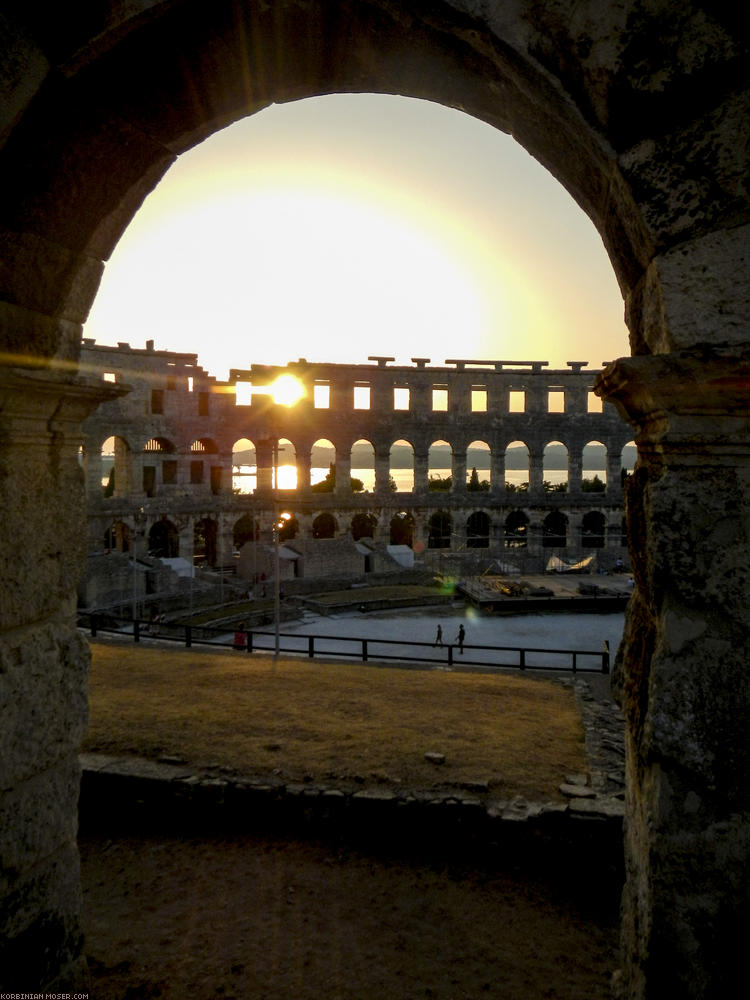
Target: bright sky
{"type": "Point", "coordinates": [344, 226]}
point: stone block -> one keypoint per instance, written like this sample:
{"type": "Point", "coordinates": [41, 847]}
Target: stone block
{"type": "Point", "coordinates": [43, 675]}
{"type": "Point", "coordinates": [37, 818]}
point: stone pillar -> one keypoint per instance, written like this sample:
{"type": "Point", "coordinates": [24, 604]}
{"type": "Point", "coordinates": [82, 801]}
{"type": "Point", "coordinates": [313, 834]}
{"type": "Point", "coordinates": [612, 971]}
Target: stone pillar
{"type": "Point", "coordinates": [421, 472]}
{"type": "Point", "coordinates": [614, 469]}
{"type": "Point", "coordinates": [536, 472]}
{"type": "Point", "coordinates": [575, 470]}
{"type": "Point", "coordinates": [382, 471]}
{"type": "Point", "coordinates": [681, 674]}
{"type": "Point", "coordinates": [343, 468]}
{"type": "Point", "coordinates": [304, 465]}
{"type": "Point", "coordinates": [264, 465]}
{"type": "Point", "coordinates": [497, 473]}
{"type": "Point", "coordinates": [43, 674]}
{"type": "Point", "coordinates": [459, 472]}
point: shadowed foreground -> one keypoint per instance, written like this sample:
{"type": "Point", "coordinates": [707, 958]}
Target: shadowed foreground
{"type": "Point", "coordinates": [248, 918]}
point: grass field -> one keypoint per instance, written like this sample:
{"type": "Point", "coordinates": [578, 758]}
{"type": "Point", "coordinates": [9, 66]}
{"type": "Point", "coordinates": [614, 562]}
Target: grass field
{"type": "Point", "coordinates": [333, 721]}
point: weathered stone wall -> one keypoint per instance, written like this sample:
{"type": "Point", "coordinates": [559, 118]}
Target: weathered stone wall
{"type": "Point", "coordinates": [643, 113]}
{"type": "Point", "coordinates": [163, 423]}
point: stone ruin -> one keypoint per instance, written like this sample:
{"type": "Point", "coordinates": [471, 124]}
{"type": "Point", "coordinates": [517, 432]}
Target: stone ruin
{"type": "Point", "coordinates": [641, 111]}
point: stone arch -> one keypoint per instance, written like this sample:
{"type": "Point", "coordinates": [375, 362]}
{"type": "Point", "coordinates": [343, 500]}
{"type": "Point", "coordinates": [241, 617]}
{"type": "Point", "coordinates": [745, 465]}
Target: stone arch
{"type": "Point", "coordinates": [607, 99]}
{"type": "Point", "coordinates": [402, 474]}
{"type": "Point", "coordinates": [439, 530]}
{"type": "Point", "coordinates": [286, 469]}
{"type": "Point", "coordinates": [205, 534]}
{"type": "Point", "coordinates": [516, 530]}
{"type": "Point", "coordinates": [479, 471]}
{"type": "Point", "coordinates": [362, 456]}
{"type": "Point", "coordinates": [244, 466]}
{"type": "Point", "coordinates": [555, 530]}
{"type": "Point", "coordinates": [478, 530]}
{"type": "Point", "coordinates": [593, 530]}
{"type": "Point", "coordinates": [116, 456]}
{"type": "Point", "coordinates": [555, 475]}
{"type": "Point", "coordinates": [117, 537]}
{"type": "Point", "coordinates": [245, 529]}
{"type": "Point", "coordinates": [594, 467]}
{"type": "Point", "coordinates": [517, 467]}
{"type": "Point", "coordinates": [164, 539]}
{"type": "Point", "coordinates": [323, 478]}
{"type": "Point", "coordinates": [402, 528]}
{"type": "Point", "coordinates": [364, 525]}
{"type": "Point", "coordinates": [440, 466]}
{"type": "Point", "coordinates": [324, 525]}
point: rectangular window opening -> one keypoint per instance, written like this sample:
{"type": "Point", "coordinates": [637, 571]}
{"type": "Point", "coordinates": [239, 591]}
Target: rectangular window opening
{"type": "Point", "coordinates": [321, 396]}
{"type": "Point", "coordinates": [595, 403]}
{"type": "Point", "coordinates": [479, 400]}
{"type": "Point", "coordinates": [400, 398]}
{"type": "Point", "coordinates": [169, 472]}
{"type": "Point", "coordinates": [439, 399]}
{"type": "Point", "coordinates": [203, 404]}
{"type": "Point", "coordinates": [362, 397]}
{"type": "Point", "coordinates": [171, 381]}
{"type": "Point", "coordinates": [196, 473]}
{"type": "Point", "coordinates": [517, 401]}
{"type": "Point", "coordinates": [157, 401]}
{"type": "Point", "coordinates": [109, 377]}
{"type": "Point", "coordinates": [243, 393]}
{"type": "Point", "coordinates": [556, 401]}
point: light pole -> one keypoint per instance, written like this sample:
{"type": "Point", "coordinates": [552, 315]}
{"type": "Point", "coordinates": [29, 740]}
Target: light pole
{"type": "Point", "coordinates": [138, 519]}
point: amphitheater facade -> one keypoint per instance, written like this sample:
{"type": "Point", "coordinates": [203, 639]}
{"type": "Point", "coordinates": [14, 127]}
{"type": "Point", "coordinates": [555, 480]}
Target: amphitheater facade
{"type": "Point", "coordinates": [174, 436]}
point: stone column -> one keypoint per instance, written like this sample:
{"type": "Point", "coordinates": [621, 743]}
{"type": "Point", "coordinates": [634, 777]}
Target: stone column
{"type": "Point", "coordinates": [264, 465]}
{"type": "Point", "coordinates": [458, 472]}
{"type": "Point", "coordinates": [614, 469]}
{"type": "Point", "coordinates": [43, 674]}
{"type": "Point", "coordinates": [382, 471]}
{"type": "Point", "coordinates": [536, 472]}
{"type": "Point", "coordinates": [304, 464]}
{"type": "Point", "coordinates": [343, 468]}
{"type": "Point", "coordinates": [575, 470]}
{"type": "Point", "coordinates": [681, 674]}
{"type": "Point", "coordinates": [421, 472]}
{"type": "Point", "coordinates": [497, 473]}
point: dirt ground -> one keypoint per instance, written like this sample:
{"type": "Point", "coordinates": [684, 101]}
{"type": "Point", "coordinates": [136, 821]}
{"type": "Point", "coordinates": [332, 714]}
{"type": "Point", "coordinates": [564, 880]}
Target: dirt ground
{"type": "Point", "coordinates": [249, 918]}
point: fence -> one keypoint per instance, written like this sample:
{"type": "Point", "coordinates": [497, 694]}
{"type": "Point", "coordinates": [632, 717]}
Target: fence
{"type": "Point", "coordinates": [364, 649]}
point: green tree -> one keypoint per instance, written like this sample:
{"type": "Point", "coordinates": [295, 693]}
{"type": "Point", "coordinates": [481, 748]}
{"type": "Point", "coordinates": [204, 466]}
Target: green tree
{"type": "Point", "coordinates": [475, 485]}
{"type": "Point", "coordinates": [439, 485]}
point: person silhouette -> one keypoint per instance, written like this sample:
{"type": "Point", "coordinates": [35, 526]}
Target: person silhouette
{"type": "Point", "coordinates": [460, 637]}
{"type": "Point", "coordinates": [438, 636]}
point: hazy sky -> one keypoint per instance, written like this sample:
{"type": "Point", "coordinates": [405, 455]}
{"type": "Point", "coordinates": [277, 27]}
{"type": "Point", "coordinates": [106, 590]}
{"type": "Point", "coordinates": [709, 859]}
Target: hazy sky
{"type": "Point", "coordinates": [345, 226]}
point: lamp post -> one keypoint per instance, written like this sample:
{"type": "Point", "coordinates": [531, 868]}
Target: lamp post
{"type": "Point", "coordinates": [139, 518]}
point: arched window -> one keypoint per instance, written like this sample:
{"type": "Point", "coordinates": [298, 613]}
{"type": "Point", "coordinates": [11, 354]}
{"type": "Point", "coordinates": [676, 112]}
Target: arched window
{"type": "Point", "coordinates": [402, 466]}
{"type": "Point", "coordinates": [555, 468]}
{"type": "Point", "coordinates": [363, 465]}
{"type": "Point", "coordinates": [516, 467]}
{"type": "Point", "coordinates": [244, 467]}
{"type": "Point", "coordinates": [516, 530]}
{"type": "Point", "coordinates": [164, 540]}
{"type": "Point", "coordinates": [402, 528]}
{"type": "Point", "coordinates": [364, 526]}
{"type": "Point", "coordinates": [324, 526]}
{"type": "Point", "coordinates": [594, 468]}
{"type": "Point", "coordinates": [323, 466]}
{"type": "Point", "coordinates": [244, 530]}
{"type": "Point", "coordinates": [204, 540]}
{"type": "Point", "coordinates": [440, 467]}
{"type": "Point", "coordinates": [478, 528]}
{"type": "Point", "coordinates": [439, 530]}
{"type": "Point", "coordinates": [478, 467]}
{"type": "Point", "coordinates": [555, 530]}
{"type": "Point", "coordinates": [593, 530]}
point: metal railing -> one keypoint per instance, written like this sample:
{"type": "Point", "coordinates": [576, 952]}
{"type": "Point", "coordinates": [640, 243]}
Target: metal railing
{"type": "Point", "coordinates": [359, 648]}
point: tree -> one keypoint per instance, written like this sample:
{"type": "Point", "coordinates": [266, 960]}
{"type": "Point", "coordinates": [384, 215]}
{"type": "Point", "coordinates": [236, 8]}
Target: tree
{"type": "Point", "coordinates": [594, 485]}
{"type": "Point", "coordinates": [475, 485]}
{"type": "Point", "coordinates": [328, 485]}
{"type": "Point", "coordinates": [438, 484]}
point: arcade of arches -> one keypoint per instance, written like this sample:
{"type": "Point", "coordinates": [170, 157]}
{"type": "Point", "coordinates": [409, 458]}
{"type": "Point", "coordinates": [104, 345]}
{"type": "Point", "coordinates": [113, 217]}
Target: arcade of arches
{"type": "Point", "coordinates": [641, 111]}
{"type": "Point", "coordinates": [200, 437]}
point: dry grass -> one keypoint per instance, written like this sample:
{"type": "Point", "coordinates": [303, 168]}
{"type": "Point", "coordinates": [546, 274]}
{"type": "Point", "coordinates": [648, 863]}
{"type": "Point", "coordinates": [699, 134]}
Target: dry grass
{"type": "Point", "coordinates": [334, 721]}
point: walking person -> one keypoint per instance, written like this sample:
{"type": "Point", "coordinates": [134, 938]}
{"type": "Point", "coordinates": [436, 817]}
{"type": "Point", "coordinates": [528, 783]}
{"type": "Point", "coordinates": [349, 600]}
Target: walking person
{"type": "Point", "coordinates": [460, 637]}
{"type": "Point", "coordinates": [438, 636]}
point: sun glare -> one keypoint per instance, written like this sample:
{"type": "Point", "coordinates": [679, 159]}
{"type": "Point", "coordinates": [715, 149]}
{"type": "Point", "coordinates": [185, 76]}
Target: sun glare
{"type": "Point", "coordinates": [335, 228]}
{"type": "Point", "coordinates": [287, 390]}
